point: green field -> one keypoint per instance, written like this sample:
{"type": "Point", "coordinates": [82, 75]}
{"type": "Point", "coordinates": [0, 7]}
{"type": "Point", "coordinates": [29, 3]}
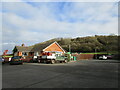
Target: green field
{"type": "Point", "coordinates": [109, 53]}
{"type": "Point", "coordinates": [101, 53]}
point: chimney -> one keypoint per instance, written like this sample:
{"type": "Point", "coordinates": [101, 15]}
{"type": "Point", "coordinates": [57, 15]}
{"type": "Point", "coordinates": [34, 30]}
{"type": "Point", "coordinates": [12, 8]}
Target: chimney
{"type": "Point", "coordinates": [23, 45]}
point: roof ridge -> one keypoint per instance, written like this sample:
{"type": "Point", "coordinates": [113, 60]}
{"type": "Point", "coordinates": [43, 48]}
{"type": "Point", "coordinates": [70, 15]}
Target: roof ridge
{"type": "Point", "coordinates": [36, 47]}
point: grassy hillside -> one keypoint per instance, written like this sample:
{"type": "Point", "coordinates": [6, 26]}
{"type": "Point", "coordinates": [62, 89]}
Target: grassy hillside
{"type": "Point", "coordinates": [107, 44]}
{"type": "Point", "coordinates": [89, 44]}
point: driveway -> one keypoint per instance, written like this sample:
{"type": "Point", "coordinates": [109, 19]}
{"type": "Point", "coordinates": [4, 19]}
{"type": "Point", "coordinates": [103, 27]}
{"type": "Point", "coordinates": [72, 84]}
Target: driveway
{"type": "Point", "coordinates": [79, 74]}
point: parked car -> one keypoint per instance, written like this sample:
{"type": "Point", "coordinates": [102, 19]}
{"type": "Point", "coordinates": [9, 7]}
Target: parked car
{"type": "Point", "coordinates": [27, 59]}
{"type": "Point", "coordinates": [116, 57]}
{"type": "Point", "coordinates": [52, 59]}
{"type": "Point", "coordinates": [16, 60]}
{"type": "Point", "coordinates": [110, 56]}
{"type": "Point", "coordinates": [2, 60]}
{"type": "Point", "coordinates": [103, 57]}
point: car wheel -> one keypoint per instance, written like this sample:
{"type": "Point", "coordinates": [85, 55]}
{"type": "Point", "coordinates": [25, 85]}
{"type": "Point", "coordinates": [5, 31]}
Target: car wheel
{"type": "Point", "coordinates": [39, 61]}
{"type": "Point", "coordinates": [60, 61]}
{"type": "Point", "coordinates": [52, 61]}
{"type": "Point", "coordinates": [65, 61]}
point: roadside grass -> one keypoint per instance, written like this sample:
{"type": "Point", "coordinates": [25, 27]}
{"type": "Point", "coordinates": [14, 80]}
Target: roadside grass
{"type": "Point", "coordinates": [101, 53]}
{"type": "Point", "coordinates": [94, 53]}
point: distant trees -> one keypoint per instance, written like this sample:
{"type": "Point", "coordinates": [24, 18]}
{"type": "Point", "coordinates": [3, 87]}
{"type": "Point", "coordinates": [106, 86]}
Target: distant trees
{"type": "Point", "coordinates": [89, 44]}
{"type": "Point", "coordinates": [100, 43]}
{"type": "Point", "coordinates": [109, 43]}
{"type": "Point", "coordinates": [65, 41]}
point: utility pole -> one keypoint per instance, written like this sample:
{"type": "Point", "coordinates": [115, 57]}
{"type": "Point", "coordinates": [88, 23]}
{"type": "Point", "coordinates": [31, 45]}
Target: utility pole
{"type": "Point", "coordinates": [106, 45]}
{"type": "Point", "coordinates": [96, 53]}
{"type": "Point", "coordinates": [69, 48]}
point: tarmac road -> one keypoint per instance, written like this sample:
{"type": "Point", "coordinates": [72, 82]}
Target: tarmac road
{"type": "Point", "coordinates": [79, 74]}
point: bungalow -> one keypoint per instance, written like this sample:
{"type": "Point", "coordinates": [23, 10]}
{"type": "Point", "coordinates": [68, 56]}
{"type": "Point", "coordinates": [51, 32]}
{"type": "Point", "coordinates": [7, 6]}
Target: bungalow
{"type": "Point", "coordinates": [36, 49]}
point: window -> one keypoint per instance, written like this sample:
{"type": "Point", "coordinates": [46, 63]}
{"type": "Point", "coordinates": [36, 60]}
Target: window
{"type": "Point", "coordinates": [31, 53]}
{"type": "Point", "coordinates": [36, 53]}
{"type": "Point", "coordinates": [24, 53]}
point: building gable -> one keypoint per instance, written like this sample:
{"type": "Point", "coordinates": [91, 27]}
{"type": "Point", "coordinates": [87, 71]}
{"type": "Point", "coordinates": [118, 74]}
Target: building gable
{"type": "Point", "coordinates": [54, 47]}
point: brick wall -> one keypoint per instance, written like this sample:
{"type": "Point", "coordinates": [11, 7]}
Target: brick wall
{"type": "Point", "coordinates": [84, 56]}
{"type": "Point", "coordinates": [19, 53]}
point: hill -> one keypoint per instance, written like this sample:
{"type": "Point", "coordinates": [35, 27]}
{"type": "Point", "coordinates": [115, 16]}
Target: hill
{"type": "Point", "coordinates": [98, 43]}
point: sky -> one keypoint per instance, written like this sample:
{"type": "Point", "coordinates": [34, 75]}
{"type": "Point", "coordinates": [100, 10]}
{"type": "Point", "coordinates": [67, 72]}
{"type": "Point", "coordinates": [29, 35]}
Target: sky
{"type": "Point", "coordinates": [34, 22]}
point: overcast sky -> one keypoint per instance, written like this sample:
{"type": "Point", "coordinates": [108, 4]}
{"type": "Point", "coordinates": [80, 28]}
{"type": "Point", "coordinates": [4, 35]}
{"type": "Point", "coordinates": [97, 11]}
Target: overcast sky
{"type": "Point", "coordinates": [34, 22]}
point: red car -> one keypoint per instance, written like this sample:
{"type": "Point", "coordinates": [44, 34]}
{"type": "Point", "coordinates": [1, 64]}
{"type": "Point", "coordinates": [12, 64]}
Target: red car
{"type": "Point", "coordinates": [27, 59]}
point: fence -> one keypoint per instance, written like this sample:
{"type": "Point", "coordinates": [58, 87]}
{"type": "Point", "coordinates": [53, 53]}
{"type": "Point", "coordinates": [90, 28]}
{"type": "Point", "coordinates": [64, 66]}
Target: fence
{"type": "Point", "coordinates": [94, 56]}
{"type": "Point", "coordinates": [84, 56]}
